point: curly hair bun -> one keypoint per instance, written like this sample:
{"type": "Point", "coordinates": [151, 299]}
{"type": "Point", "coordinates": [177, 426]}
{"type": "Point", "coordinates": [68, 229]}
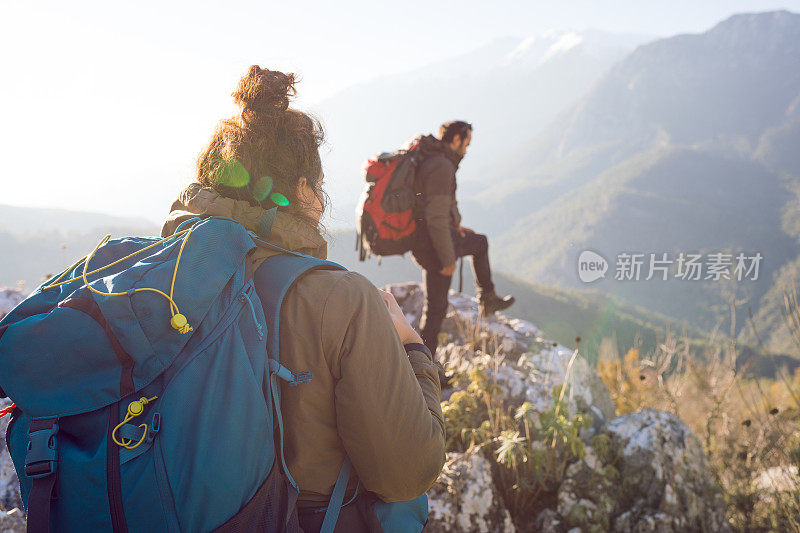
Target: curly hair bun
{"type": "Point", "coordinates": [267, 142]}
{"type": "Point", "coordinates": [264, 91]}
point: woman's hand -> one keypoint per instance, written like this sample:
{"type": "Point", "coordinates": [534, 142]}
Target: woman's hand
{"type": "Point", "coordinates": [448, 270]}
{"type": "Point", "coordinates": [404, 329]}
{"type": "Point", "coordinates": [463, 231]}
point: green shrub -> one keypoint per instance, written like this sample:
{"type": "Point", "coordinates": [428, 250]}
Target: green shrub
{"type": "Point", "coordinates": [532, 449]}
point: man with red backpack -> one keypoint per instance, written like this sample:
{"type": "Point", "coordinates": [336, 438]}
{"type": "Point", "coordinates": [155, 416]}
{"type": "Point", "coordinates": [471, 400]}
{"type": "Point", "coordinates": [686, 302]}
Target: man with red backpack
{"type": "Point", "coordinates": [409, 204]}
{"type": "Point", "coordinates": [440, 238]}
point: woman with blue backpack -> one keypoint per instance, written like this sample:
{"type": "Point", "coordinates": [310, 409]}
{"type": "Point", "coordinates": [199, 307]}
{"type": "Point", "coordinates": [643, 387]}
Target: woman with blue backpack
{"type": "Point", "coordinates": [374, 397]}
{"type": "Point", "coordinates": [224, 376]}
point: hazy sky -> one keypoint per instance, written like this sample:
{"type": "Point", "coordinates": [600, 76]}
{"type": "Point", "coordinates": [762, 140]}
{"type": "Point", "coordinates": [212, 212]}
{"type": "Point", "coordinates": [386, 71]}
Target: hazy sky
{"type": "Point", "coordinates": [105, 105]}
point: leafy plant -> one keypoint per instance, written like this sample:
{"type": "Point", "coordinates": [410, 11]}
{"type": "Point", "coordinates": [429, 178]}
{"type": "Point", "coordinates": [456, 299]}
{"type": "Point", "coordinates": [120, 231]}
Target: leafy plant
{"type": "Point", "coordinates": [532, 449]}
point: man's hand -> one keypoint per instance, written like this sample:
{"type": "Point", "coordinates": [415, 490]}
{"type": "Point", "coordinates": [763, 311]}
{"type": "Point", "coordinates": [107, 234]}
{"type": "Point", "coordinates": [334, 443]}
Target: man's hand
{"type": "Point", "coordinates": [463, 231]}
{"type": "Point", "coordinates": [404, 329]}
{"type": "Point", "coordinates": [448, 270]}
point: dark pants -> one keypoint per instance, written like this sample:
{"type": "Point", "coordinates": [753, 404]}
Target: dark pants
{"type": "Point", "coordinates": [437, 285]}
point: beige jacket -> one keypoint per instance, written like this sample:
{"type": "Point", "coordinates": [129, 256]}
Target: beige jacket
{"type": "Point", "coordinates": [368, 399]}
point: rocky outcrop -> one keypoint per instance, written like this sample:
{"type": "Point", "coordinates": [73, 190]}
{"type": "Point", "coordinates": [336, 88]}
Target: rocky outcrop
{"type": "Point", "coordinates": [650, 474]}
{"type": "Point", "coordinates": [778, 479]}
{"type": "Point", "coordinates": [673, 489]}
{"type": "Point", "coordinates": [9, 298]}
{"type": "Point", "coordinates": [510, 337]}
{"type": "Point", "coordinates": [13, 521]}
{"type": "Point", "coordinates": [640, 472]}
{"type": "Point", "coordinates": [11, 516]}
{"type": "Point", "coordinates": [9, 488]}
{"type": "Point", "coordinates": [518, 357]}
{"type": "Point", "coordinates": [465, 498]}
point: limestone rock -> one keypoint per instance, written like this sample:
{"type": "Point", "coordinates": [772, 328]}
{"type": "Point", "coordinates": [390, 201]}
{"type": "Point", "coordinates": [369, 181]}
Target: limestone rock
{"type": "Point", "coordinates": [12, 518]}
{"type": "Point", "coordinates": [555, 365]}
{"type": "Point", "coordinates": [549, 521]}
{"type": "Point", "coordinates": [532, 377]}
{"type": "Point", "coordinates": [666, 484]}
{"type": "Point", "coordinates": [778, 479]}
{"type": "Point", "coordinates": [12, 521]}
{"type": "Point", "coordinates": [528, 366]}
{"type": "Point", "coordinates": [9, 488]}
{"type": "Point", "coordinates": [410, 297]}
{"type": "Point", "coordinates": [586, 498]}
{"type": "Point", "coordinates": [464, 498]}
{"type": "Point", "coordinates": [9, 298]}
{"type": "Point", "coordinates": [651, 476]}
{"type": "Point", "coordinates": [464, 323]}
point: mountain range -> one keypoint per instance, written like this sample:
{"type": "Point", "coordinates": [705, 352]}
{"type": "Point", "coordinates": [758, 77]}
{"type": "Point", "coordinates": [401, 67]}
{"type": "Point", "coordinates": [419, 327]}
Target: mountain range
{"type": "Point", "coordinates": [35, 242]}
{"type": "Point", "coordinates": [688, 144]}
{"type": "Point", "coordinates": [616, 144]}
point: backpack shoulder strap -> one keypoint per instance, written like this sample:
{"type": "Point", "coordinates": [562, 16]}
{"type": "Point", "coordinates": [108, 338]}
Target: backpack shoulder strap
{"type": "Point", "coordinates": [273, 279]}
{"type": "Point", "coordinates": [337, 498]}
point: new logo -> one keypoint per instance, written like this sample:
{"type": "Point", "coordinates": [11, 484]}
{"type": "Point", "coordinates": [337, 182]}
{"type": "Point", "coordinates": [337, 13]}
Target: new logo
{"type": "Point", "coordinates": [591, 266]}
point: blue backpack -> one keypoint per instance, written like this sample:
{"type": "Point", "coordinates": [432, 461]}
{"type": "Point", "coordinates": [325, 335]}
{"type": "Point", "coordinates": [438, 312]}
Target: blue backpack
{"type": "Point", "coordinates": [145, 379]}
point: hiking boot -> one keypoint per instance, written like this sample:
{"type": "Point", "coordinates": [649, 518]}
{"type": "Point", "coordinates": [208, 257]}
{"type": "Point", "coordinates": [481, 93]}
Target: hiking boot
{"type": "Point", "coordinates": [491, 302]}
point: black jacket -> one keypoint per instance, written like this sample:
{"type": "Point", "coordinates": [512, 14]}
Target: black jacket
{"type": "Point", "coordinates": [440, 217]}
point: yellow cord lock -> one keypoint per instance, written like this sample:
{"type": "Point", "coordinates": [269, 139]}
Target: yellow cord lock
{"type": "Point", "coordinates": [135, 408]}
{"type": "Point", "coordinates": [180, 323]}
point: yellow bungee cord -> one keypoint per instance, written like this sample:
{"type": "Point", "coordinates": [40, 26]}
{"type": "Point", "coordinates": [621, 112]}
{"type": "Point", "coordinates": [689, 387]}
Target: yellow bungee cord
{"type": "Point", "coordinates": [178, 320]}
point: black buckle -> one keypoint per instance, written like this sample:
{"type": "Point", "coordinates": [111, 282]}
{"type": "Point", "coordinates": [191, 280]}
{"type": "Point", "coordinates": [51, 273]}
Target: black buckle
{"type": "Point", "coordinates": [42, 458]}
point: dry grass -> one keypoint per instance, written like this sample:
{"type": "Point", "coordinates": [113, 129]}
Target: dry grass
{"type": "Point", "coordinates": [750, 427]}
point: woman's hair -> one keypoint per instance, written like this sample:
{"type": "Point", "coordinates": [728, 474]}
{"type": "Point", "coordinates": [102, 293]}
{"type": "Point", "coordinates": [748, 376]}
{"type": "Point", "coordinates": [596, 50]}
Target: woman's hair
{"type": "Point", "coordinates": [259, 154]}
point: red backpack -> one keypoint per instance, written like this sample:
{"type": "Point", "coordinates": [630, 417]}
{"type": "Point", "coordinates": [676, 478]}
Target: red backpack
{"type": "Point", "coordinates": [387, 209]}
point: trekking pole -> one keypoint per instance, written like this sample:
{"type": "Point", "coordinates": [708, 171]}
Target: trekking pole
{"type": "Point", "coordinates": [461, 276]}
